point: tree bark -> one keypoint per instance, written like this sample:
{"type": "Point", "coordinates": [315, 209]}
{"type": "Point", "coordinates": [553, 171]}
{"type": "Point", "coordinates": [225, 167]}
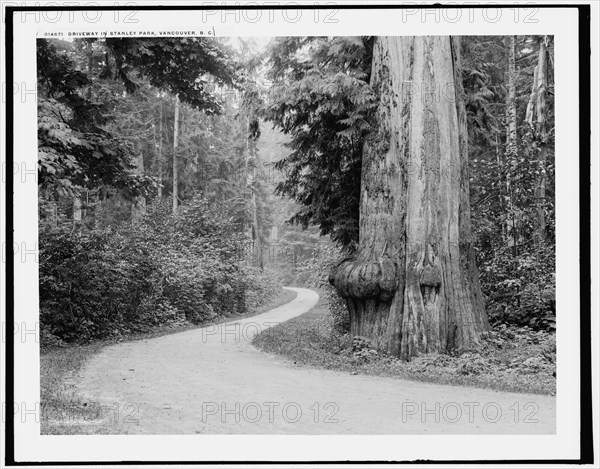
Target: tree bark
{"type": "Point", "coordinates": [541, 137]}
{"type": "Point", "coordinates": [511, 140]}
{"type": "Point", "coordinates": [412, 287]}
{"type": "Point", "coordinates": [77, 209]}
{"type": "Point", "coordinates": [532, 100]}
{"type": "Point", "coordinates": [159, 156]}
{"type": "Point", "coordinates": [257, 238]}
{"type": "Point", "coordinates": [511, 108]}
{"type": "Point", "coordinates": [175, 144]}
{"type": "Point", "coordinates": [138, 208]}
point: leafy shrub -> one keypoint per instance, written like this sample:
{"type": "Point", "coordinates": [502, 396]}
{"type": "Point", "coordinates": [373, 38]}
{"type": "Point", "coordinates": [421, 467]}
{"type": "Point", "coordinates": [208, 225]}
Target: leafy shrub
{"type": "Point", "coordinates": [471, 364]}
{"type": "Point", "coordinates": [171, 269]}
{"type": "Point", "coordinates": [362, 350]}
{"type": "Point", "coordinates": [520, 288]}
{"type": "Point", "coordinates": [48, 339]}
{"type": "Point", "coordinates": [260, 287]}
{"type": "Point", "coordinates": [314, 273]}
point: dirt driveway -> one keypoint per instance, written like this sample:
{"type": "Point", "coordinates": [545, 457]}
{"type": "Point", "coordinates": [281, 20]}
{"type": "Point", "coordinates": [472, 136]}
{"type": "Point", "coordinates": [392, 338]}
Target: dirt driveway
{"type": "Point", "coordinates": [212, 380]}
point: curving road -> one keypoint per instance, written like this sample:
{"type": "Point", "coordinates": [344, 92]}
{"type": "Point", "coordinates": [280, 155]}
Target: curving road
{"type": "Point", "coordinates": [212, 380]}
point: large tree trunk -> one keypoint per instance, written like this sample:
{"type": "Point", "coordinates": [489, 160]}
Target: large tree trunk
{"type": "Point", "coordinates": [413, 285]}
{"type": "Point", "coordinates": [175, 145]}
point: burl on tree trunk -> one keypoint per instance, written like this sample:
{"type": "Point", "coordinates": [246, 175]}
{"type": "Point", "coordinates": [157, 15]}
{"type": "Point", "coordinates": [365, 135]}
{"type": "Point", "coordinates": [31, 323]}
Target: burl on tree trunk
{"type": "Point", "coordinates": [413, 286]}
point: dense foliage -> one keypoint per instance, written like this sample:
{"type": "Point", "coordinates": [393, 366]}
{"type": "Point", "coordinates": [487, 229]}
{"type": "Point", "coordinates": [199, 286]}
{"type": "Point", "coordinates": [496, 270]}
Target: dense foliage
{"type": "Point", "coordinates": [322, 100]}
{"type": "Point", "coordinates": [516, 268]}
{"type": "Point", "coordinates": [171, 269]}
{"type": "Point", "coordinates": [190, 67]}
{"type": "Point", "coordinates": [122, 122]}
{"type": "Point", "coordinates": [75, 148]}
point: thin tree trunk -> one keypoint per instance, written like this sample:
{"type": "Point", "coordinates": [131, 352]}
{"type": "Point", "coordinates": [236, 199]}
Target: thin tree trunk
{"type": "Point", "coordinates": [77, 209]}
{"type": "Point", "coordinates": [541, 137]}
{"type": "Point", "coordinates": [175, 144]}
{"type": "Point", "coordinates": [258, 242]}
{"type": "Point", "coordinates": [532, 100]}
{"type": "Point", "coordinates": [413, 285]}
{"type": "Point", "coordinates": [511, 137]}
{"type": "Point", "coordinates": [138, 209]}
{"type": "Point", "coordinates": [511, 107]}
{"type": "Point", "coordinates": [501, 200]}
{"type": "Point", "coordinates": [52, 208]}
{"type": "Point", "coordinates": [98, 208]}
{"type": "Point", "coordinates": [159, 161]}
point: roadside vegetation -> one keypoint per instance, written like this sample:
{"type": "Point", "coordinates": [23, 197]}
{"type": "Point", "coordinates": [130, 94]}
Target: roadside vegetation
{"type": "Point", "coordinates": [510, 358]}
{"type": "Point", "coordinates": [170, 270]}
{"type": "Point", "coordinates": [63, 411]}
{"type": "Point", "coordinates": [513, 356]}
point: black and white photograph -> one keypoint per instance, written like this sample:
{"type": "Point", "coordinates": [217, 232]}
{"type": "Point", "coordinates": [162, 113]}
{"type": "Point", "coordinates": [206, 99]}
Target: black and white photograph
{"type": "Point", "coordinates": [258, 229]}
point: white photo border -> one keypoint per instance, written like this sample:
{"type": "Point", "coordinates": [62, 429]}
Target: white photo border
{"type": "Point", "coordinates": [560, 22]}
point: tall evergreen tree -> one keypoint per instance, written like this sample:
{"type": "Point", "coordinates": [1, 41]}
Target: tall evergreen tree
{"type": "Point", "coordinates": [412, 285]}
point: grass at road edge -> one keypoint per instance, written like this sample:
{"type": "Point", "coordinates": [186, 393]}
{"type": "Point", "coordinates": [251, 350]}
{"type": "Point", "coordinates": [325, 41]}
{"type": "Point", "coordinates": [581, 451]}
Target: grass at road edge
{"type": "Point", "coordinates": [510, 359]}
{"type": "Point", "coordinates": [63, 411]}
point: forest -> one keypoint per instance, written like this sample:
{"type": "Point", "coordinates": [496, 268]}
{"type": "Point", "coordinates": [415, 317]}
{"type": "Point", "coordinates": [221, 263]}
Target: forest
{"type": "Point", "coordinates": [410, 180]}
